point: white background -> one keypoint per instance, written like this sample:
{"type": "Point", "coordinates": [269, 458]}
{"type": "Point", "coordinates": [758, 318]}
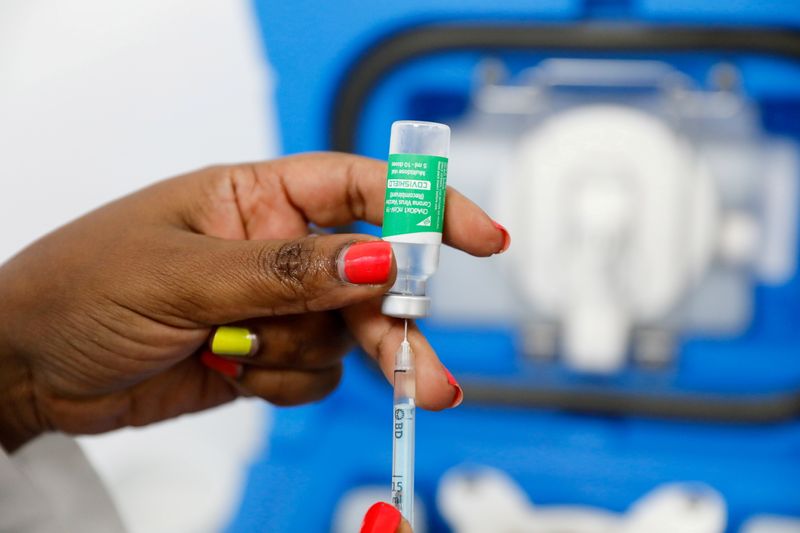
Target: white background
{"type": "Point", "coordinates": [98, 99]}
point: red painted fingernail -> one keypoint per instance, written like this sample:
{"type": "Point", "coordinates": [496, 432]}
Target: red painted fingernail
{"type": "Point", "coordinates": [381, 518]}
{"type": "Point", "coordinates": [223, 366]}
{"type": "Point", "coordinates": [458, 395]}
{"type": "Point", "coordinates": [506, 236]}
{"type": "Point", "coordinates": [366, 262]}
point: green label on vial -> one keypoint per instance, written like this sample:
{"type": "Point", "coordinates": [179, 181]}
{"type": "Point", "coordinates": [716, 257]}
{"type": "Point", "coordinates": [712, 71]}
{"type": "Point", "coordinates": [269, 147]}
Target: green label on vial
{"type": "Point", "coordinates": [415, 191]}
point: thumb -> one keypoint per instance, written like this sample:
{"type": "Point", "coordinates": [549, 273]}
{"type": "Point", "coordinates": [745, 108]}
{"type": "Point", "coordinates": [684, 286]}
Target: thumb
{"type": "Point", "coordinates": [229, 280]}
{"type": "Point", "coordinates": [383, 518]}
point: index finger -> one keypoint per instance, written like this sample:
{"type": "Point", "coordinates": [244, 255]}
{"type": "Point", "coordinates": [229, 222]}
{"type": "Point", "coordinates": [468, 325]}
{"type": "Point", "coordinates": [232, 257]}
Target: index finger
{"type": "Point", "coordinates": [380, 336]}
{"type": "Point", "coordinates": [332, 189]}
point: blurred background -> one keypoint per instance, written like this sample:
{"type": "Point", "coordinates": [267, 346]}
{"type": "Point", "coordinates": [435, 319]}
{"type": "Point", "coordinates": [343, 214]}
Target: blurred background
{"type": "Point", "coordinates": [630, 365]}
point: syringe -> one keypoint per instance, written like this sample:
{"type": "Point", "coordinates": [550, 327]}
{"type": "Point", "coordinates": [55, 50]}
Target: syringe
{"type": "Point", "coordinates": [403, 429]}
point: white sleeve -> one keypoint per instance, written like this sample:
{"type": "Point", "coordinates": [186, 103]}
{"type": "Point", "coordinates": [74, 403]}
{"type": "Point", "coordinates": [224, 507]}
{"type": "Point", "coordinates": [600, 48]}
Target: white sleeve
{"type": "Point", "coordinates": [48, 486]}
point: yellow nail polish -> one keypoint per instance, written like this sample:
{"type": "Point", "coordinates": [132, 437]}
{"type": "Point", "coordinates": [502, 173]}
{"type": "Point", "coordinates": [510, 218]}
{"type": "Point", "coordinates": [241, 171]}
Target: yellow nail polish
{"type": "Point", "coordinates": [227, 340]}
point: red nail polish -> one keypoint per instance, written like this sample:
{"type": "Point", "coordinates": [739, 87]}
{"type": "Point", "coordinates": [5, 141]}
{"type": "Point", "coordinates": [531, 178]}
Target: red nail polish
{"type": "Point", "coordinates": [366, 262]}
{"type": "Point", "coordinates": [223, 366]}
{"type": "Point", "coordinates": [458, 395]}
{"type": "Point", "coordinates": [381, 518]}
{"type": "Point", "coordinates": [506, 236]}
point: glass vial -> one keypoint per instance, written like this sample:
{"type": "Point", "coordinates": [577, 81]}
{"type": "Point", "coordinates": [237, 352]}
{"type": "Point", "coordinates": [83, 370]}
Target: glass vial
{"type": "Point", "coordinates": [413, 216]}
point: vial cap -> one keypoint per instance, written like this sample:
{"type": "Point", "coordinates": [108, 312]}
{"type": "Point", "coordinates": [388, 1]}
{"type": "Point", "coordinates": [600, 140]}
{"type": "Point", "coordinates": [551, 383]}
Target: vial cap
{"type": "Point", "coordinates": [406, 306]}
{"type": "Point", "coordinates": [417, 137]}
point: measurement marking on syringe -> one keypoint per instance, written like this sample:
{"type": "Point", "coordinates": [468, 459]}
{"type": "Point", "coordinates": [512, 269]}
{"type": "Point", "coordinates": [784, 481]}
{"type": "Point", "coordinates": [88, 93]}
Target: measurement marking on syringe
{"type": "Point", "coordinates": [403, 431]}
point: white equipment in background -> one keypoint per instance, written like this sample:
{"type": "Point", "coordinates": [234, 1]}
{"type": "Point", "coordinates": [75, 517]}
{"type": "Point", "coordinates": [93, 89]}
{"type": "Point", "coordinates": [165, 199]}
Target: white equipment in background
{"type": "Point", "coordinates": [640, 206]}
{"type": "Point", "coordinates": [613, 219]}
{"type": "Point", "coordinates": [771, 524]}
{"type": "Point", "coordinates": [476, 501]}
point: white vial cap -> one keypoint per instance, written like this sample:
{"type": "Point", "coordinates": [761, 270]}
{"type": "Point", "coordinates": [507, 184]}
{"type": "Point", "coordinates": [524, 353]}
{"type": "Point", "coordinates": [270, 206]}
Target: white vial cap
{"type": "Point", "coordinates": [406, 306]}
{"type": "Point", "coordinates": [416, 137]}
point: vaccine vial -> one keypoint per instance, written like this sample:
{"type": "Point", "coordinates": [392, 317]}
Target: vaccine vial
{"type": "Point", "coordinates": [413, 215]}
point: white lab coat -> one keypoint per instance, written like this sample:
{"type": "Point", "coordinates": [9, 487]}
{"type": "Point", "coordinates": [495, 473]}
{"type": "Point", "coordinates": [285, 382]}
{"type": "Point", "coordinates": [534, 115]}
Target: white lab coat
{"type": "Point", "coordinates": [48, 486]}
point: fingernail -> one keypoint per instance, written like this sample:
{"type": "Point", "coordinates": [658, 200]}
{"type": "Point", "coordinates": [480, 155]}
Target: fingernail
{"type": "Point", "coordinates": [366, 262]}
{"type": "Point", "coordinates": [381, 518]}
{"type": "Point", "coordinates": [506, 236]}
{"type": "Point", "coordinates": [458, 394]}
{"type": "Point", "coordinates": [227, 340]}
{"type": "Point", "coordinates": [223, 366]}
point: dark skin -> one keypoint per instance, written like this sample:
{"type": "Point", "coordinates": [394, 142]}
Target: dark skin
{"type": "Point", "coordinates": [404, 527]}
{"type": "Point", "coordinates": [101, 320]}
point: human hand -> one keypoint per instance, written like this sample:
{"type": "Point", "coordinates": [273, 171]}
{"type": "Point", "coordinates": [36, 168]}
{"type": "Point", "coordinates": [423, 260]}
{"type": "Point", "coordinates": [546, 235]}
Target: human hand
{"type": "Point", "coordinates": [99, 320]}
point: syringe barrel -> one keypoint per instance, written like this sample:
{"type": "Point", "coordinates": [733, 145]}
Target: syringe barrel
{"type": "Point", "coordinates": [414, 211]}
{"type": "Point", "coordinates": [403, 429]}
